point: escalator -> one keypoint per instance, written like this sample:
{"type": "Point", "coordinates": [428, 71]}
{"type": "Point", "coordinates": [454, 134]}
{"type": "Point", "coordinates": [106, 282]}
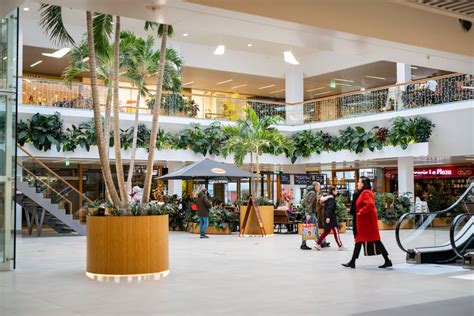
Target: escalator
{"type": "Point", "coordinates": [439, 237]}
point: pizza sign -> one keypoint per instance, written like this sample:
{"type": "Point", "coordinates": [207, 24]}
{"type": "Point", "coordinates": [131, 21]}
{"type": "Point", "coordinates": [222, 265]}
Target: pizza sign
{"type": "Point", "coordinates": [438, 172]}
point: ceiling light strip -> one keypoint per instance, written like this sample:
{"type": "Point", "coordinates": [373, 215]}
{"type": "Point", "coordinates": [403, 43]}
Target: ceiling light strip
{"type": "Point", "coordinates": [225, 81]}
{"type": "Point", "coordinates": [266, 87]}
{"type": "Point", "coordinates": [36, 64]}
{"type": "Point", "coordinates": [240, 86]}
{"type": "Point", "coordinates": [375, 77]}
{"type": "Point", "coordinates": [315, 89]}
{"type": "Point", "coordinates": [320, 93]}
{"type": "Point", "coordinates": [276, 91]}
{"type": "Point", "coordinates": [344, 80]}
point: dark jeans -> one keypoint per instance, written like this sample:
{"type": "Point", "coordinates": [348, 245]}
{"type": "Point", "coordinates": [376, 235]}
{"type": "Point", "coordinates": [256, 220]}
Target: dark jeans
{"type": "Point", "coordinates": [203, 223]}
{"type": "Point", "coordinates": [358, 247]}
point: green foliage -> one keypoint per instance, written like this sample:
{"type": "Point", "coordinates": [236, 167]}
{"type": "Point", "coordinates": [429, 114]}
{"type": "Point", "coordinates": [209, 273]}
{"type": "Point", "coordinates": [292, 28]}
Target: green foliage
{"type": "Point", "coordinates": [423, 128]}
{"type": "Point", "coordinates": [305, 143]}
{"type": "Point", "coordinates": [136, 209]}
{"type": "Point", "coordinates": [341, 209]}
{"type": "Point", "coordinates": [389, 208]}
{"type": "Point", "coordinates": [402, 133]}
{"type": "Point", "coordinates": [43, 131]}
{"type": "Point", "coordinates": [51, 21]}
{"type": "Point", "coordinates": [219, 218]}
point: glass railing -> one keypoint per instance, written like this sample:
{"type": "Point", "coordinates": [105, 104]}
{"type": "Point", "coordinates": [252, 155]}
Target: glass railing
{"type": "Point", "coordinates": [414, 94]}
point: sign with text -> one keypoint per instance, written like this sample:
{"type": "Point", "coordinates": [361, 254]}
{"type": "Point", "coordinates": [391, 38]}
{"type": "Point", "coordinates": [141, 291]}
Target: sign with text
{"type": "Point", "coordinates": [436, 172]}
{"type": "Point", "coordinates": [285, 178]}
{"type": "Point", "coordinates": [307, 179]}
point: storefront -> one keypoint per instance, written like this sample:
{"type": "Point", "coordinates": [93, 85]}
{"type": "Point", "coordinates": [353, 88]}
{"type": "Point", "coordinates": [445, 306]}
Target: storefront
{"type": "Point", "coordinates": [450, 180]}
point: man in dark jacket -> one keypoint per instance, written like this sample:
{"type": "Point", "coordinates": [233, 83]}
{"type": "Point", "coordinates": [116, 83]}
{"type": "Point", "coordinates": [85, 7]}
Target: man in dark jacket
{"type": "Point", "coordinates": [203, 206]}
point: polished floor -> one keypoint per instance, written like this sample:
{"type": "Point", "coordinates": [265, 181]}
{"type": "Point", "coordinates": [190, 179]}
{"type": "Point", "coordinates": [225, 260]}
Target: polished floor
{"type": "Point", "coordinates": [228, 275]}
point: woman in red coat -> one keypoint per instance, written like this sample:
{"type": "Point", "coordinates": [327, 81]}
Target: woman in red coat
{"type": "Point", "coordinates": [367, 226]}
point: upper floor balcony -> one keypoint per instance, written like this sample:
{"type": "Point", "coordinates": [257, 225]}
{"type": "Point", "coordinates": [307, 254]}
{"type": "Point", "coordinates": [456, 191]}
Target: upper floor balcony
{"type": "Point", "coordinates": [410, 95]}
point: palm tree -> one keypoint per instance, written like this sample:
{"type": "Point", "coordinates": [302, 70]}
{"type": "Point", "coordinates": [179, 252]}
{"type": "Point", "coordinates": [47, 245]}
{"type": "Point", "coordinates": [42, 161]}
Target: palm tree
{"type": "Point", "coordinates": [98, 29]}
{"type": "Point", "coordinates": [141, 61]}
{"type": "Point", "coordinates": [253, 135]}
{"type": "Point", "coordinates": [164, 31]}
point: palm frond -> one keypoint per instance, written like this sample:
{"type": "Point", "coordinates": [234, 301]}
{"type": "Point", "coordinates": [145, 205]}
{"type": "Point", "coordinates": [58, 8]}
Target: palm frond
{"type": "Point", "coordinates": [51, 21]}
{"type": "Point", "coordinates": [102, 26]}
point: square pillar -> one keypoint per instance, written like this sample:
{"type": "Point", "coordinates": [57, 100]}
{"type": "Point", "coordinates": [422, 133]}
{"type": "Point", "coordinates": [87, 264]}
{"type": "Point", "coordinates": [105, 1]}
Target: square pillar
{"type": "Point", "coordinates": [403, 73]}
{"type": "Point", "coordinates": [175, 186]}
{"type": "Point", "coordinates": [406, 179]}
{"type": "Point", "coordinates": [294, 92]}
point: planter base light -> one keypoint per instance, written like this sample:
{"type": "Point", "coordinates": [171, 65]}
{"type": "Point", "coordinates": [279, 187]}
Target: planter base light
{"type": "Point", "coordinates": [129, 278]}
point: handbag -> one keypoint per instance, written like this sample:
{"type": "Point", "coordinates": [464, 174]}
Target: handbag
{"type": "Point", "coordinates": [308, 232]}
{"type": "Point", "coordinates": [371, 249]}
{"type": "Point", "coordinates": [194, 207]}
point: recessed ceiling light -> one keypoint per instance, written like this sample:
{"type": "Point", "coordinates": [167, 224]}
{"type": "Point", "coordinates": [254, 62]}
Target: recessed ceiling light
{"type": "Point", "coordinates": [220, 50]}
{"type": "Point", "coordinates": [265, 87]}
{"type": "Point", "coordinates": [225, 81]}
{"type": "Point", "coordinates": [249, 44]}
{"type": "Point", "coordinates": [314, 89]}
{"type": "Point", "coordinates": [320, 93]}
{"type": "Point", "coordinates": [26, 9]}
{"type": "Point", "coordinates": [58, 54]}
{"type": "Point", "coordinates": [185, 34]}
{"type": "Point", "coordinates": [375, 77]}
{"type": "Point", "coordinates": [413, 67]}
{"type": "Point", "coordinates": [276, 91]}
{"type": "Point", "coordinates": [343, 84]}
{"type": "Point", "coordinates": [187, 83]}
{"type": "Point", "coordinates": [345, 80]}
{"type": "Point", "coordinates": [240, 86]}
{"type": "Point", "coordinates": [290, 58]}
{"type": "Point", "coordinates": [362, 89]}
{"type": "Point", "coordinates": [5, 58]}
{"type": "Point", "coordinates": [36, 64]}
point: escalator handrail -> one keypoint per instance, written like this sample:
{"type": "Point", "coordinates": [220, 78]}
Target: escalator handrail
{"type": "Point", "coordinates": [451, 233]}
{"type": "Point", "coordinates": [397, 230]}
{"type": "Point", "coordinates": [402, 218]}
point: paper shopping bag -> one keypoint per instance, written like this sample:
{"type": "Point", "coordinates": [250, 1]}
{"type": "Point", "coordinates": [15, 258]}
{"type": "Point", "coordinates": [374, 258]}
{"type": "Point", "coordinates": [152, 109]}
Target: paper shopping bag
{"type": "Point", "coordinates": [308, 231]}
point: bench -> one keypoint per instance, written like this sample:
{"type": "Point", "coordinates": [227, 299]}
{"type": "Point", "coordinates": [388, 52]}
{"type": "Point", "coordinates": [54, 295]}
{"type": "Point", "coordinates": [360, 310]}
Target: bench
{"type": "Point", "coordinates": [280, 218]}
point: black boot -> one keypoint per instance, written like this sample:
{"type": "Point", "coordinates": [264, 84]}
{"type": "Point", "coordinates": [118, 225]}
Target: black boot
{"type": "Point", "coordinates": [351, 264]}
{"type": "Point", "coordinates": [387, 263]}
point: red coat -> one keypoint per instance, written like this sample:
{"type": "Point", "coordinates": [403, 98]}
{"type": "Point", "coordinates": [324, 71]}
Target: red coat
{"type": "Point", "coordinates": [367, 225]}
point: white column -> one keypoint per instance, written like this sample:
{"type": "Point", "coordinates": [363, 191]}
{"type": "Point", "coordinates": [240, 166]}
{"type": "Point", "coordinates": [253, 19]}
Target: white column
{"type": "Point", "coordinates": [175, 186]}
{"type": "Point", "coordinates": [403, 73]}
{"type": "Point", "coordinates": [294, 92]}
{"type": "Point", "coordinates": [406, 180]}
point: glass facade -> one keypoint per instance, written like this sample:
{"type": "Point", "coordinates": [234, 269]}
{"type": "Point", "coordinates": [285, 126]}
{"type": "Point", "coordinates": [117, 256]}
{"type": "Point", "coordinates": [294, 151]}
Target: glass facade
{"type": "Point", "coordinates": [8, 93]}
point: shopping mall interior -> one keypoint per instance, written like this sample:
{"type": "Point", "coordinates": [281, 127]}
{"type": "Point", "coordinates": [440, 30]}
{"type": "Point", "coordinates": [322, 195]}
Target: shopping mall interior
{"type": "Point", "coordinates": [242, 168]}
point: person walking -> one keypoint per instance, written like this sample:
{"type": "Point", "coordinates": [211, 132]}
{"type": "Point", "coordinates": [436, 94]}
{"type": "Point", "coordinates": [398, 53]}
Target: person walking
{"type": "Point", "coordinates": [203, 206]}
{"type": "Point", "coordinates": [309, 203]}
{"type": "Point", "coordinates": [319, 210]}
{"type": "Point", "coordinates": [367, 226]}
{"type": "Point", "coordinates": [353, 212]}
{"type": "Point", "coordinates": [330, 218]}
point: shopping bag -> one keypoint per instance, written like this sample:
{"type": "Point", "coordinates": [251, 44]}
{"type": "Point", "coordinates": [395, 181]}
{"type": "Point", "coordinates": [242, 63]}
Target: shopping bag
{"type": "Point", "coordinates": [371, 249]}
{"type": "Point", "coordinates": [194, 207]}
{"type": "Point", "coordinates": [308, 231]}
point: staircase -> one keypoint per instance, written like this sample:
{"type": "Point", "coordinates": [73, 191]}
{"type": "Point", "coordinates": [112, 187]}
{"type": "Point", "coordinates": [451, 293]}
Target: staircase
{"type": "Point", "coordinates": [54, 213]}
{"type": "Point", "coordinates": [42, 194]}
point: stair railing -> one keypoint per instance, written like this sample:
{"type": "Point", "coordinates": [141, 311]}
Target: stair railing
{"type": "Point", "coordinates": [49, 187]}
{"type": "Point", "coordinates": [60, 186]}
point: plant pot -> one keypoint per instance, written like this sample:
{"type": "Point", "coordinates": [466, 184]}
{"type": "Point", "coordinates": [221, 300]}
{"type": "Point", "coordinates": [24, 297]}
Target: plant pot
{"type": "Point", "coordinates": [342, 227]}
{"type": "Point", "coordinates": [253, 228]}
{"type": "Point", "coordinates": [383, 226]}
{"type": "Point", "coordinates": [127, 246]}
{"type": "Point", "coordinates": [210, 230]}
{"type": "Point", "coordinates": [440, 222]}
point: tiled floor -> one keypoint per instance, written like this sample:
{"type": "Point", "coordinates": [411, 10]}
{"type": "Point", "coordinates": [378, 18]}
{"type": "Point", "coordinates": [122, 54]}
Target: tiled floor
{"type": "Point", "coordinates": [229, 275]}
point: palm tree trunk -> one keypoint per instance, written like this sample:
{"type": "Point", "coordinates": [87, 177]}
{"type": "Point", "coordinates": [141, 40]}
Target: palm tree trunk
{"type": "Point", "coordinates": [104, 161]}
{"type": "Point", "coordinates": [108, 105]}
{"type": "Point", "coordinates": [257, 186]}
{"type": "Point", "coordinates": [252, 179]}
{"type": "Point", "coordinates": [156, 114]}
{"type": "Point", "coordinates": [134, 145]}
{"type": "Point", "coordinates": [117, 144]}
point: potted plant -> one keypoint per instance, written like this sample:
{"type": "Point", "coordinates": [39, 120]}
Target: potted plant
{"type": "Point", "coordinates": [386, 218]}
{"type": "Point", "coordinates": [220, 222]}
{"type": "Point", "coordinates": [131, 241]}
{"type": "Point", "coordinates": [342, 213]}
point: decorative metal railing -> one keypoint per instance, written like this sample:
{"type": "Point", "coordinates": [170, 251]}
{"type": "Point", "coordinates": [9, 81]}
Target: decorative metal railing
{"type": "Point", "coordinates": [414, 94]}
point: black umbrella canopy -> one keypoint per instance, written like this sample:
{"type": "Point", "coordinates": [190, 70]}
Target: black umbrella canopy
{"type": "Point", "coordinates": [208, 169]}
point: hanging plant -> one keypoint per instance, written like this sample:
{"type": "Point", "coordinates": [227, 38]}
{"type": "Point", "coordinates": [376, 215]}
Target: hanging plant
{"type": "Point", "coordinates": [44, 131]}
{"type": "Point", "coordinates": [423, 128]}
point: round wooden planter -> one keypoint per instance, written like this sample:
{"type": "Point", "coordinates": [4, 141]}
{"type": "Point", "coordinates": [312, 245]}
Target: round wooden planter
{"type": "Point", "coordinates": [210, 230]}
{"type": "Point", "coordinates": [127, 246]}
{"type": "Point", "coordinates": [253, 229]}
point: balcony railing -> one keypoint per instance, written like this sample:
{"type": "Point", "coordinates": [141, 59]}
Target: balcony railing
{"type": "Point", "coordinates": [414, 94]}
